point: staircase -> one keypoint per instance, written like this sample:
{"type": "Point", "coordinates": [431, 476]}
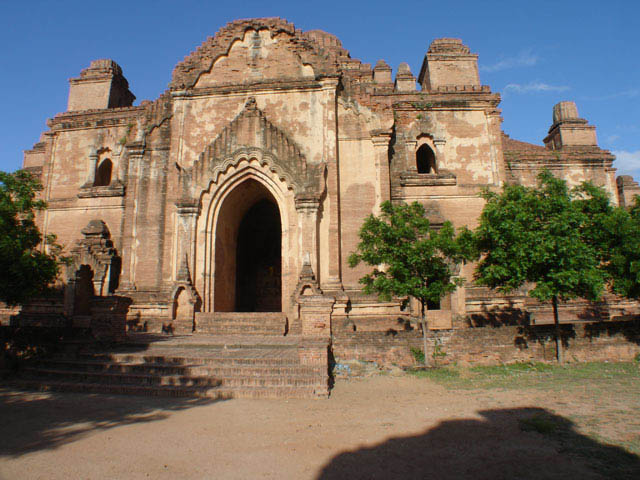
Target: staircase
{"type": "Point", "coordinates": [220, 367]}
{"type": "Point", "coordinates": [235, 323]}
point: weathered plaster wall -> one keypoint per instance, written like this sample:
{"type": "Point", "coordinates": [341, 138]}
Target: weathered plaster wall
{"type": "Point", "coordinates": [300, 113]}
{"type": "Point", "coordinates": [260, 56]}
{"type": "Point", "coordinates": [67, 169]}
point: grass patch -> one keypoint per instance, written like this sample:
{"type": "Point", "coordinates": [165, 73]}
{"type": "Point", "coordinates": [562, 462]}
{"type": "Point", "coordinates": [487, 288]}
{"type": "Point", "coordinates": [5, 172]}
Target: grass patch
{"type": "Point", "coordinates": [441, 374]}
{"type": "Point", "coordinates": [536, 375]}
{"type": "Point", "coordinates": [512, 368]}
{"type": "Point", "coordinates": [418, 355]}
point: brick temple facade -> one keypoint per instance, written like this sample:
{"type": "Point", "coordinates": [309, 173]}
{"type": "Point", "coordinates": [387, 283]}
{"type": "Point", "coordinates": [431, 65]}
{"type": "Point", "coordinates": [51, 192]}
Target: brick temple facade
{"type": "Point", "coordinates": [243, 187]}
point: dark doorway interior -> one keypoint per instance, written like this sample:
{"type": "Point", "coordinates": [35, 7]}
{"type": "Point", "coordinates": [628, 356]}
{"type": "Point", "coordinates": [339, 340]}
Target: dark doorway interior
{"type": "Point", "coordinates": [103, 174]}
{"type": "Point", "coordinates": [258, 260]}
{"type": "Point", "coordinates": [84, 291]}
{"type": "Point", "coordinates": [425, 160]}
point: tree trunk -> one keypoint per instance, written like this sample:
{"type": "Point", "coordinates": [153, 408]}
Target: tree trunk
{"type": "Point", "coordinates": [424, 335]}
{"type": "Point", "coordinates": [559, 352]}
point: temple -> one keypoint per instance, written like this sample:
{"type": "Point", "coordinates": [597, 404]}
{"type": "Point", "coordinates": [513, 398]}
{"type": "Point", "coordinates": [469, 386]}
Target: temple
{"type": "Point", "coordinates": [235, 198]}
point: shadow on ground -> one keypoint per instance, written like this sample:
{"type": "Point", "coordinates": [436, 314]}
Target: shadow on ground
{"type": "Point", "coordinates": [39, 421]}
{"type": "Point", "coordinates": [505, 444]}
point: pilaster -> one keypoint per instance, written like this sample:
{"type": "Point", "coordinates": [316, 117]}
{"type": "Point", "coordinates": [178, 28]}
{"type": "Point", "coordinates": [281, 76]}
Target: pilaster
{"type": "Point", "coordinates": [307, 207]}
{"type": "Point", "coordinates": [380, 140]}
{"type": "Point", "coordinates": [334, 276]}
{"type": "Point", "coordinates": [129, 231]}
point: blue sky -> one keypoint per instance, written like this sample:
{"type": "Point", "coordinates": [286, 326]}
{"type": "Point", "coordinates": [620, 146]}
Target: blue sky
{"type": "Point", "coordinates": [535, 53]}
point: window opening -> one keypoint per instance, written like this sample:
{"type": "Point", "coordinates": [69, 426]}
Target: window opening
{"type": "Point", "coordinates": [425, 160]}
{"type": "Point", "coordinates": [103, 174]}
{"type": "Point", "coordinates": [431, 305]}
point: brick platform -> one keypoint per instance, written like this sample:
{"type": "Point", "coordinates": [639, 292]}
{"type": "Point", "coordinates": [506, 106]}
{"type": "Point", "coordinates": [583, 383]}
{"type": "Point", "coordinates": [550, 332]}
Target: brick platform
{"type": "Point", "coordinates": [223, 367]}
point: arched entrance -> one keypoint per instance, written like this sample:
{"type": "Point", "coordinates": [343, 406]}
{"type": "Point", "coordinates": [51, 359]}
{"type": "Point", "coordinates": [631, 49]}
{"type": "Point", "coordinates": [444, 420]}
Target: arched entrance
{"type": "Point", "coordinates": [248, 246]}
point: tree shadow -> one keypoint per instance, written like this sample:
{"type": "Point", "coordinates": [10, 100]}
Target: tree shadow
{"type": "Point", "coordinates": [34, 421]}
{"type": "Point", "coordinates": [544, 334]}
{"type": "Point", "coordinates": [504, 444]}
{"type": "Point", "coordinates": [498, 317]}
{"type": "Point", "coordinates": [593, 312]}
{"type": "Point", "coordinates": [629, 329]}
{"type": "Point", "coordinates": [40, 421]}
{"type": "Point", "coordinates": [20, 346]}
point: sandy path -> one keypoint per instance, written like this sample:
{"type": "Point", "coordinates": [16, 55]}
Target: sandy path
{"type": "Point", "coordinates": [377, 427]}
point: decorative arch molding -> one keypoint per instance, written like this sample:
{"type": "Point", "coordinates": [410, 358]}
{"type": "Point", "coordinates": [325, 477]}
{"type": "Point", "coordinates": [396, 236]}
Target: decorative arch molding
{"type": "Point", "coordinates": [243, 170]}
{"type": "Point", "coordinates": [212, 201]}
{"type": "Point", "coordinates": [318, 49]}
{"type": "Point", "coordinates": [252, 136]}
{"type": "Point", "coordinates": [422, 134]}
{"type": "Point", "coordinates": [405, 150]}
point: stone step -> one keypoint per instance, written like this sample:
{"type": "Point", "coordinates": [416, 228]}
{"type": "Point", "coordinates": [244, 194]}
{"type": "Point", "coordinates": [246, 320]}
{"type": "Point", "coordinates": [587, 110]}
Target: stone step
{"type": "Point", "coordinates": [144, 390]}
{"type": "Point", "coordinates": [231, 366]}
{"type": "Point", "coordinates": [241, 323]}
{"type": "Point", "coordinates": [173, 380]}
{"type": "Point", "coordinates": [123, 378]}
{"type": "Point", "coordinates": [273, 381]}
{"type": "Point", "coordinates": [229, 360]}
{"type": "Point", "coordinates": [245, 329]}
{"type": "Point", "coordinates": [242, 316]}
{"type": "Point", "coordinates": [188, 369]}
{"type": "Point", "coordinates": [148, 368]}
{"type": "Point", "coordinates": [277, 371]}
{"type": "Point", "coordinates": [218, 393]}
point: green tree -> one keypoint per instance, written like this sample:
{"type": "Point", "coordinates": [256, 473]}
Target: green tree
{"type": "Point", "coordinates": [547, 236]}
{"type": "Point", "coordinates": [27, 270]}
{"type": "Point", "coordinates": [410, 258]}
{"type": "Point", "coordinates": [618, 231]}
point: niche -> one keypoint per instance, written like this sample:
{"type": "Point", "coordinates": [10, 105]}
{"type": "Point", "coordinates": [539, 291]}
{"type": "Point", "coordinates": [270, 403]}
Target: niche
{"type": "Point", "coordinates": [425, 159]}
{"type": "Point", "coordinates": [103, 173]}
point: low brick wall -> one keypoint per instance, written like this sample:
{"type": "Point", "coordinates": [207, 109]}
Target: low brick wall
{"type": "Point", "coordinates": [616, 341]}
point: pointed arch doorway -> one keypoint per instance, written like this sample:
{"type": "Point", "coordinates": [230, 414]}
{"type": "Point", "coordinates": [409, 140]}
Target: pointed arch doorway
{"type": "Point", "coordinates": [248, 251]}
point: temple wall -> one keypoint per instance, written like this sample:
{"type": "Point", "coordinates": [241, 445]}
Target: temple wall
{"type": "Point", "coordinates": [586, 342]}
{"type": "Point", "coordinates": [573, 173]}
{"type": "Point", "coordinates": [69, 168]}
{"type": "Point", "coordinates": [467, 150]}
{"type": "Point", "coordinates": [361, 188]}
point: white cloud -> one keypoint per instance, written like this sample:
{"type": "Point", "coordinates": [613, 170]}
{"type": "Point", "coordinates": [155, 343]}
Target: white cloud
{"type": "Point", "coordinates": [627, 163]}
{"type": "Point", "coordinates": [532, 87]}
{"type": "Point", "coordinates": [613, 138]}
{"type": "Point", "coordinates": [524, 59]}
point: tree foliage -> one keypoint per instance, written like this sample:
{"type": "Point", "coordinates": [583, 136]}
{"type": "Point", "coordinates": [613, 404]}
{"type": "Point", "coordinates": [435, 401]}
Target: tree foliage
{"type": "Point", "coordinates": [410, 258]}
{"type": "Point", "coordinates": [27, 270]}
{"type": "Point", "coordinates": [621, 232]}
{"type": "Point", "coordinates": [543, 236]}
{"type": "Point", "coordinates": [551, 237]}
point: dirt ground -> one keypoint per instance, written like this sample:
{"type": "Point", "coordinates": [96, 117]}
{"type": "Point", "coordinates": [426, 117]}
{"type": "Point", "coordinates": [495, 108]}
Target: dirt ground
{"type": "Point", "coordinates": [382, 427]}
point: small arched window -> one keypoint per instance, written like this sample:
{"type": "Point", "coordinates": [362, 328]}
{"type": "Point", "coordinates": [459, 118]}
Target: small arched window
{"type": "Point", "coordinates": [425, 160]}
{"type": "Point", "coordinates": [103, 173]}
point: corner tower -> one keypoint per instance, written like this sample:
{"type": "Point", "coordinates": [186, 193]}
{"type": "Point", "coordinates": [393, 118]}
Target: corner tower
{"type": "Point", "coordinates": [449, 63]}
{"type": "Point", "coordinates": [101, 85]}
